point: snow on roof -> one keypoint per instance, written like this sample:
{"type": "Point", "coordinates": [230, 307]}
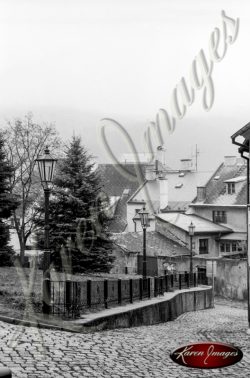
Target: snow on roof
{"type": "Point", "coordinates": [237, 179]}
{"type": "Point", "coordinates": [183, 221]}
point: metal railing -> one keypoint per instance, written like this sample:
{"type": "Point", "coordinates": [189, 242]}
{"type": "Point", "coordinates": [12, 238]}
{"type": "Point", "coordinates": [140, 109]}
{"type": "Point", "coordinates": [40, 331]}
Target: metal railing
{"type": "Point", "coordinates": [71, 298]}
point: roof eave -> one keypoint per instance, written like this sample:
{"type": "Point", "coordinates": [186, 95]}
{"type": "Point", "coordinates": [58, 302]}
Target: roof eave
{"type": "Point", "coordinates": [215, 205]}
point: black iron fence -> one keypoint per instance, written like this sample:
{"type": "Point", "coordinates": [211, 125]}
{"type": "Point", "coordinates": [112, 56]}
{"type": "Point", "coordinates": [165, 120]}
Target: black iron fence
{"type": "Point", "coordinates": [71, 298]}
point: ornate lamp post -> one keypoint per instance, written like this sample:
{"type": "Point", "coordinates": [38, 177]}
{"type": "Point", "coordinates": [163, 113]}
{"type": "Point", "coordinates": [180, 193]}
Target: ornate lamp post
{"type": "Point", "coordinates": [46, 165]}
{"type": "Point", "coordinates": [191, 230]}
{"type": "Point", "coordinates": [144, 223]}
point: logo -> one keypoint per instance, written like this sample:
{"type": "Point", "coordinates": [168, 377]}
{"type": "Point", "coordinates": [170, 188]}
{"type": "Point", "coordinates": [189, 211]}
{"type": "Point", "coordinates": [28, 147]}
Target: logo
{"type": "Point", "coordinates": [207, 355]}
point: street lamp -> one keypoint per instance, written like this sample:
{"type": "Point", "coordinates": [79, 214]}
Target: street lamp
{"type": "Point", "coordinates": [46, 166]}
{"type": "Point", "coordinates": [191, 230]}
{"type": "Point", "coordinates": [243, 143]}
{"type": "Point", "coordinates": [144, 223]}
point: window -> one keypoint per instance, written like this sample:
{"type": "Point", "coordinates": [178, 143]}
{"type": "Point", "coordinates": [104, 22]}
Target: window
{"type": "Point", "coordinates": [231, 188]}
{"type": "Point", "coordinates": [219, 216]}
{"type": "Point", "coordinates": [234, 247]}
{"type": "Point", "coordinates": [203, 246]}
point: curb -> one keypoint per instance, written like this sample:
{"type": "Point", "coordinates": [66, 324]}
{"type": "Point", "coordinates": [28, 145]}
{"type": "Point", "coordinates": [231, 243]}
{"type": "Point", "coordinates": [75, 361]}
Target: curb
{"type": "Point", "coordinates": [38, 324]}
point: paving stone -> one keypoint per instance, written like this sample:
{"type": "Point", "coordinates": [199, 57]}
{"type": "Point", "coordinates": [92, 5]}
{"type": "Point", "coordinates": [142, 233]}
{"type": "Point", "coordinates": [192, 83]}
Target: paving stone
{"type": "Point", "coordinates": [124, 353]}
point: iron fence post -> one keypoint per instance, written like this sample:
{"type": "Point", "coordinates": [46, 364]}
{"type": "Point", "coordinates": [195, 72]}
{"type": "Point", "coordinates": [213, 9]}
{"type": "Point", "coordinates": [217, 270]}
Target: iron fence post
{"type": "Point", "coordinates": [149, 287]}
{"type": "Point", "coordinates": [89, 293]}
{"type": "Point", "coordinates": [172, 280]}
{"type": "Point", "coordinates": [161, 285]}
{"type": "Point", "coordinates": [46, 296]}
{"type": "Point", "coordinates": [119, 283]}
{"type": "Point", "coordinates": [180, 281]}
{"type": "Point", "coordinates": [166, 283]}
{"type": "Point", "coordinates": [186, 277]}
{"type": "Point", "coordinates": [131, 290]}
{"type": "Point", "coordinates": [156, 286]}
{"type": "Point", "coordinates": [195, 283]}
{"type": "Point", "coordinates": [106, 293]}
{"type": "Point", "coordinates": [140, 288]}
{"type": "Point", "coordinates": [68, 299]}
{"type": "Point", "coordinates": [76, 298]}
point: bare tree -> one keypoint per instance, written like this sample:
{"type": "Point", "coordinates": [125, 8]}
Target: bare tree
{"type": "Point", "coordinates": [25, 140]}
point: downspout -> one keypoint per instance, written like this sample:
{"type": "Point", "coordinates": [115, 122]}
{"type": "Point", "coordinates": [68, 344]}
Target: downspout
{"type": "Point", "coordinates": [241, 150]}
{"type": "Point", "coordinates": [134, 223]}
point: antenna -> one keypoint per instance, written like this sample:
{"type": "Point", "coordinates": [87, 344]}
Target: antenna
{"type": "Point", "coordinates": [197, 152]}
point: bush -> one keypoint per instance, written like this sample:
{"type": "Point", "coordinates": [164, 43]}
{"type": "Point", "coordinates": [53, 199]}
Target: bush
{"type": "Point", "coordinates": [7, 256]}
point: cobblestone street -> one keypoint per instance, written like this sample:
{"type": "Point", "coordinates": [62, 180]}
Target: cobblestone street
{"type": "Point", "coordinates": [134, 352]}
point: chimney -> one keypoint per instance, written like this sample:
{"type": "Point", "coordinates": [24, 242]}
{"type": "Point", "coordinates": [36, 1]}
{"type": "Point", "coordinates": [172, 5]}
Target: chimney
{"type": "Point", "coordinates": [186, 165]}
{"type": "Point", "coordinates": [150, 173]}
{"type": "Point", "coordinates": [163, 193]}
{"type": "Point", "coordinates": [230, 160]}
{"type": "Point", "coordinates": [201, 193]}
{"type": "Point", "coordinates": [240, 161]}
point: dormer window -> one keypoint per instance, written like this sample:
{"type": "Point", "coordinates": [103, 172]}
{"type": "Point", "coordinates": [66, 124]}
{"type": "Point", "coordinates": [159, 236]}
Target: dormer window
{"type": "Point", "coordinates": [234, 184]}
{"type": "Point", "coordinates": [230, 187]}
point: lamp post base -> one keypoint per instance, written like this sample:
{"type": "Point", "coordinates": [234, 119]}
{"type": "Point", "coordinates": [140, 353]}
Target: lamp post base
{"type": "Point", "coordinates": [46, 305]}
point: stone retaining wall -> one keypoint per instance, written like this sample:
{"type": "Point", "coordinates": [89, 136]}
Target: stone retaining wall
{"type": "Point", "coordinates": [162, 311]}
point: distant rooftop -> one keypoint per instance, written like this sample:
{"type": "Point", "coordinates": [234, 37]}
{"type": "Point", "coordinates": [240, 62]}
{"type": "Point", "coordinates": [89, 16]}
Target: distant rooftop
{"type": "Point", "coordinates": [157, 244]}
{"type": "Point", "coordinates": [231, 171]}
{"type": "Point", "coordinates": [119, 177]}
{"type": "Point", "coordinates": [182, 187]}
{"type": "Point", "coordinates": [183, 221]}
{"type": "Point", "coordinates": [143, 158]}
{"type": "Point", "coordinates": [118, 186]}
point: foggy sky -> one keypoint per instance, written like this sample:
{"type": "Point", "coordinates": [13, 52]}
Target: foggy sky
{"type": "Point", "coordinates": [75, 62]}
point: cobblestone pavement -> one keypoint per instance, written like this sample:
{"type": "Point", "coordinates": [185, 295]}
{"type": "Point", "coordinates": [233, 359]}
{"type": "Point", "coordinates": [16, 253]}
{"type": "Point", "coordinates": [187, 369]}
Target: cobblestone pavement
{"type": "Point", "coordinates": [134, 352]}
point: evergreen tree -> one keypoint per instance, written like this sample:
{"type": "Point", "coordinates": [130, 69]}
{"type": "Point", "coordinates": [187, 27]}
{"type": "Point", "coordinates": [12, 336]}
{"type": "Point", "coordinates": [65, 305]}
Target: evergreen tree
{"type": "Point", "coordinates": [7, 203]}
{"type": "Point", "coordinates": [77, 220]}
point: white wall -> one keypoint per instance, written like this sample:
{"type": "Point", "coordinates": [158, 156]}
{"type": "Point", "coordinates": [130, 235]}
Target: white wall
{"type": "Point", "coordinates": [236, 217]}
{"type": "Point", "coordinates": [150, 193]}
